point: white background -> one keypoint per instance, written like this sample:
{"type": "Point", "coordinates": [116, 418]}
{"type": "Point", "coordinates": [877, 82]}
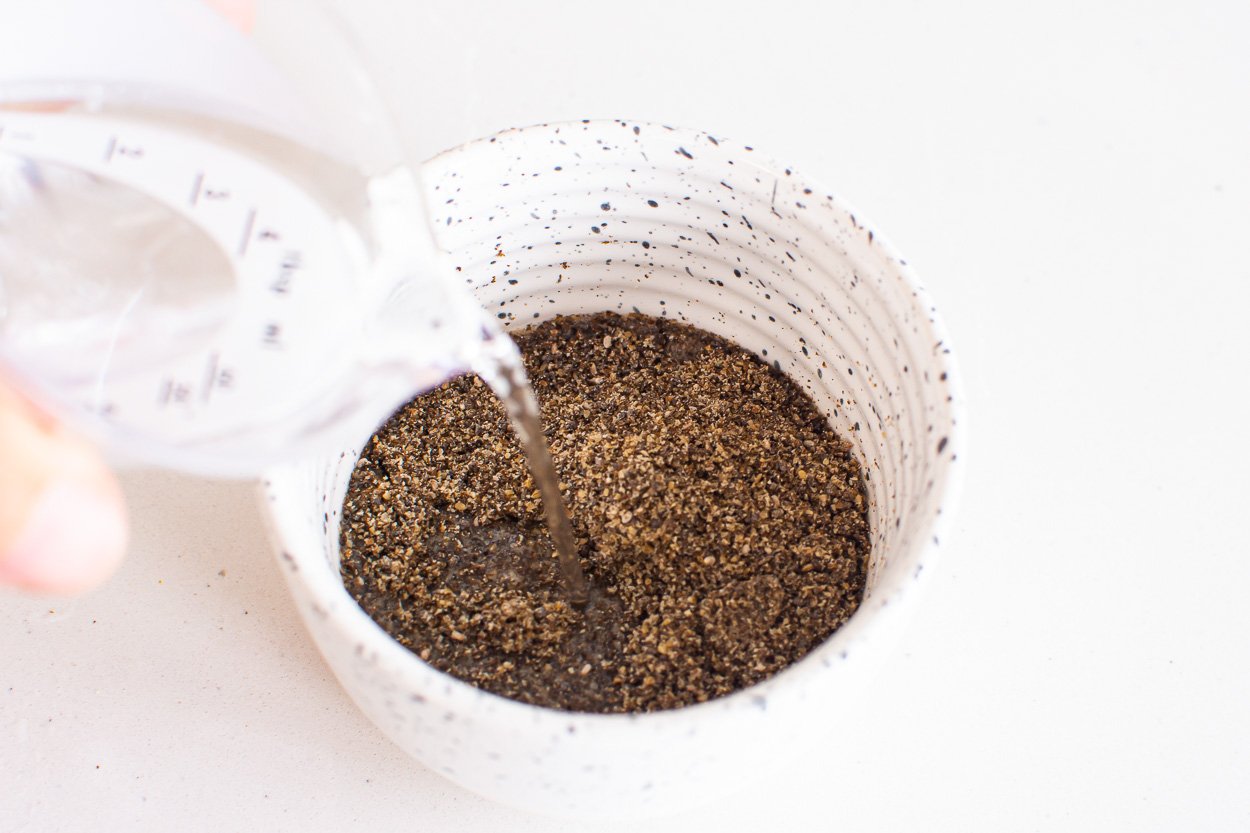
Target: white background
{"type": "Point", "coordinates": [1072, 182]}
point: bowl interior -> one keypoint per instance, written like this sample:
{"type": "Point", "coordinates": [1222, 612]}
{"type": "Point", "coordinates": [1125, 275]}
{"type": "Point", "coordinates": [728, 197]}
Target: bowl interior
{"type": "Point", "coordinates": [612, 216]}
{"type": "Point", "coordinates": [596, 216]}
{"type": "Point", "coordinates": [587, 217]}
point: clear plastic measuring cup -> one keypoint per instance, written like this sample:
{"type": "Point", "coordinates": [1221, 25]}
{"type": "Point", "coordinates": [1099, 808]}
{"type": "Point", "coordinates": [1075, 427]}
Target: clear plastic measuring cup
{"type": "Point", "coordinates": [213, 252]}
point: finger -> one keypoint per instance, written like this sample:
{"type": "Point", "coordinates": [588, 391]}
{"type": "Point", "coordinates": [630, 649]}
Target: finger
{"type": "Point", "coordinates": [63, 525]}
{"type": "Point", "coordinates": [240, 13]}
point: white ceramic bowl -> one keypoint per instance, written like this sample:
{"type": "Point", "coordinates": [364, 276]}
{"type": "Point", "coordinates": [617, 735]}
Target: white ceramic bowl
{"type": "Point", "coordinates": [620, 216]}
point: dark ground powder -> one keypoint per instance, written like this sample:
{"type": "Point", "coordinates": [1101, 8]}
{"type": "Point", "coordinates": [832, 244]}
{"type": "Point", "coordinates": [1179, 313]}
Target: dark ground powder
{"type": "Point", "coordinates": [721, 522]}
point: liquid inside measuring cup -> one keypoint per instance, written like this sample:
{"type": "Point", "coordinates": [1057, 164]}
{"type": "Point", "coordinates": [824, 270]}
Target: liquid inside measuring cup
{"type": "Point", "coordinates": [213, 296]}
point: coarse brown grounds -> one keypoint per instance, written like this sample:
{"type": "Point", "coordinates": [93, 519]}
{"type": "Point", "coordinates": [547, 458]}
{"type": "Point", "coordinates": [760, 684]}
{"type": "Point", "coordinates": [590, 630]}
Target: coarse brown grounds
{"type": "Point", "coordinates": [721, 522]}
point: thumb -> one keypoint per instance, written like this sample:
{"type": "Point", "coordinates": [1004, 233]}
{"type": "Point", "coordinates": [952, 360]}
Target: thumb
{"type": "Point", "coordinates": [63, 525]}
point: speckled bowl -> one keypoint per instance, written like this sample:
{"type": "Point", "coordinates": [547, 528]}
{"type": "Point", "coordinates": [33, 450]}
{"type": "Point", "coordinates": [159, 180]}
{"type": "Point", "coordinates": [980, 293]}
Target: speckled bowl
{"type": "Point", "coordinates": [620, 216]}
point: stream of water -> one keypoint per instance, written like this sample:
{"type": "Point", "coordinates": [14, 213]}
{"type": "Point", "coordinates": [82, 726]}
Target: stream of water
{"type": "Point", "coordinates": [499, 364]}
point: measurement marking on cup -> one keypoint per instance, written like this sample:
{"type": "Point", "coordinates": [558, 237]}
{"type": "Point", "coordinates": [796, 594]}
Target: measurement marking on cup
{"type": "Point", "coordinates": [210, 378]}
{"type": "Point", "coordinates": [247, 232]}
{"type": "Point", "coordinates": [195, 189]}
{"type": "Point", "coordinates": [291, 262]}
{"type": "Point", "coordinates": [172, 392]}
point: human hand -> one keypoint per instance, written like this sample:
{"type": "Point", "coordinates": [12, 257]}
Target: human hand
{"type": "Point", "coordinates": [63, 525]}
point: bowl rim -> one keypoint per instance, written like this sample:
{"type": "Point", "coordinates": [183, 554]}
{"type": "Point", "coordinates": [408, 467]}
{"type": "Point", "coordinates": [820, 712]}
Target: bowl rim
{"type": "Point", "coordinates": [838, 650]}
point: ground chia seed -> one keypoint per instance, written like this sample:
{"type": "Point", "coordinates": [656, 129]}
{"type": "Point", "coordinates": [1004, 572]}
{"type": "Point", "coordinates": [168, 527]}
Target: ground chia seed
{"type": "Point", "coordinates": [721, 522]}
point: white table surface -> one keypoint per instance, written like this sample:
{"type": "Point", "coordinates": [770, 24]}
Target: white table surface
{"type": "Point", "coordinates": [1072, 181]}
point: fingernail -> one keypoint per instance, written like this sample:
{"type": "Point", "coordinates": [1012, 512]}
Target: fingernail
{"type": "Point", "coordinates": [73, 540]}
